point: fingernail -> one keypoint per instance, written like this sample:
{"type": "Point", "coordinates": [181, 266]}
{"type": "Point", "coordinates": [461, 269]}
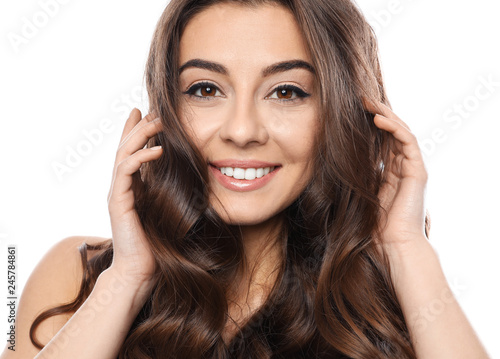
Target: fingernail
{"type": "Point", "coordinates": [156, 147]}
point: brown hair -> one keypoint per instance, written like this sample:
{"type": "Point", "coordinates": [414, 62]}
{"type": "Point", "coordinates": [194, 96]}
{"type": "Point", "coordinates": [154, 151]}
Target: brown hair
{"type": "Point", "coordinates": [334, 296]}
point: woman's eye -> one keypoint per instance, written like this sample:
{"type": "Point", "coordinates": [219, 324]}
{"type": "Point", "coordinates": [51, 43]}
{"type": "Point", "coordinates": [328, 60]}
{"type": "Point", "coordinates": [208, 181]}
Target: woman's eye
{"type": "Point", "coordinates": [202, 90]}
{"type": "Point", "coordinates": [284, 93]}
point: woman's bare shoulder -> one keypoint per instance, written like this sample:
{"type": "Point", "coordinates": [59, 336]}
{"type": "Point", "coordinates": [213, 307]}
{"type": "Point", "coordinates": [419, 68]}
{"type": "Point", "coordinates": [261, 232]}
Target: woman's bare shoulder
{"type": "Point", "coordinates": [78, 241]}
{"type": "Point", "coordinates": [55, 280]}
{"type": "Point", "coordinates": [70, 250]}
{"type": "Point", "coordinates": [64, 262]}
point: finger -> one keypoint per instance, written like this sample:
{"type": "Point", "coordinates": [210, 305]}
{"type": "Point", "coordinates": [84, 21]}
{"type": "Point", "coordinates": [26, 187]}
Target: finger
{"type": "Point", "coordinates": [124, 171]}
{"type": "Point", "coordinates": [148, 118]}
{"type": "Point", "coordinates": [408, 140]}
{"type": "Point", "coordinates": [386, 196]}
{"type": "Point", "coordinates": [134, 118]}
{"type": "Point", "coordinates": [380, 108]}
{"type": "Point", "coordinates": [135, 121]}
{"type": "Point", "coordinates": [395, 164]}
{"type": "Point", "coordinates": [138, 138]}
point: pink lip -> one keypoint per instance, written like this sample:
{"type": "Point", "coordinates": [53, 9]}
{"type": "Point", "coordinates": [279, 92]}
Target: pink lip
{"type": "Point", "coordinates": [243, 163]}
{"type": "Point", "coordinates": [238, 185]}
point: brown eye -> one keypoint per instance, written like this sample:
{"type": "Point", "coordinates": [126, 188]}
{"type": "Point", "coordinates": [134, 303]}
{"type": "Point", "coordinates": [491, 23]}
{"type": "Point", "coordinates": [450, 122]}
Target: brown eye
{"type": "Point", "coordinates": [203, 91]}
{"type": "Point", "coordinates": [288, 94]}
{"type": "Point", "coordinates": [207, 91]}
{"type": "Point", "coordinates": [284, 94]}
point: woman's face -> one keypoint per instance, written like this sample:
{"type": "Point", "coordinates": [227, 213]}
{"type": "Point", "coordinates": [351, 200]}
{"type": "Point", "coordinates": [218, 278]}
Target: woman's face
{"type": "Point", "coordinates": [245, 112]}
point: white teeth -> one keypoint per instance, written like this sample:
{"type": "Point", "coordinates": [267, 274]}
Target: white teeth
{"type": "Point", "coordinates": [248, 173]}
{"type": "Point", "coordinates": [239, 173]}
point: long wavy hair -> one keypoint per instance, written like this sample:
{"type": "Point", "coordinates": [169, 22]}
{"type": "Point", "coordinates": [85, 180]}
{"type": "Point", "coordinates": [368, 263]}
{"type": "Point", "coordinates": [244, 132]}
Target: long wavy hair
{"type": "Point", "coordinates": [333, 297]}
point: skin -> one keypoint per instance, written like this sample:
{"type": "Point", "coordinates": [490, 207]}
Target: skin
{"type": "Point", "coordinates": [241, 115]}
{"type": "Point", "coordinates": [245, 122]}
{"type": "Point", "coordinates": [416, 272]}
{"type": "Point", "coordinates": [239, 121]}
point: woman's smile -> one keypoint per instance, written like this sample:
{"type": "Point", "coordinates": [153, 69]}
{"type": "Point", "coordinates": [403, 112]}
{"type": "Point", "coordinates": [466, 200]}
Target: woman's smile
{"type": "Point", "coordinates": [243, 176]}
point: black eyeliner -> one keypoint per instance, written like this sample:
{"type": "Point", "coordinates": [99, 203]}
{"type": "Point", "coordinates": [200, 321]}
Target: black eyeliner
{"type": "Point", "coordinates": [300, 93]}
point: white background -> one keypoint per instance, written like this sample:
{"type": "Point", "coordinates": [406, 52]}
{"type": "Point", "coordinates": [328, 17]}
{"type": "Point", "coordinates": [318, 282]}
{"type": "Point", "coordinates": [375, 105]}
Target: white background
{"type": "Point", "coordinates": [83, 69]}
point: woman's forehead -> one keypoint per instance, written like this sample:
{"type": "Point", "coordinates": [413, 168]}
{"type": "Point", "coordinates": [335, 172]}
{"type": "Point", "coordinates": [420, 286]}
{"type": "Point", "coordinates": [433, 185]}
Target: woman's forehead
{"type": "Point", "coordinates": [243, 36]}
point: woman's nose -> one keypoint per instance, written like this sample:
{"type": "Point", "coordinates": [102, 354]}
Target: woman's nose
{"type": "Point", "coordinates": [243, 125]}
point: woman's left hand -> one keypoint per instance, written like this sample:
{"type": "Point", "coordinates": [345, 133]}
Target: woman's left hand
{"type": "Point", "coordinates": [402, 194]}
{"type": "Point", "coordinates": [416, 273]}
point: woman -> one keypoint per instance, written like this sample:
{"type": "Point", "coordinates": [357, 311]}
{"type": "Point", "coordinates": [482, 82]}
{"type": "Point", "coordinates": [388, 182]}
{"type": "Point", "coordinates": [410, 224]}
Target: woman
{"type": "Point", "coordinates": [283, 214]}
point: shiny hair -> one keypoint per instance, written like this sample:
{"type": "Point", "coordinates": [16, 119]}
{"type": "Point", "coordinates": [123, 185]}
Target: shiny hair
{"type": "Point", "coordinates": [333, 297]}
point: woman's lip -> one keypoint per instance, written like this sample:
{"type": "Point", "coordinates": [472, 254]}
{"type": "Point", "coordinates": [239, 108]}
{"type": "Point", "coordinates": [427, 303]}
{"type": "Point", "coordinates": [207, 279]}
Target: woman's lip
{"type": "Point", "coordinates": [243, 163]}
{"type": "Point", "coordinates": [238, 185]}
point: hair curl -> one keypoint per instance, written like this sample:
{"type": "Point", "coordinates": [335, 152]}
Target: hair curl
{"type": "Point", "coordinates": [319, 305]}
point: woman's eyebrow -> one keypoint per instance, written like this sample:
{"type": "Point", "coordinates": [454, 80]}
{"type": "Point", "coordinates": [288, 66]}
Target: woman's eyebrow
{"type": "Point", "coordinates": [269, 70]}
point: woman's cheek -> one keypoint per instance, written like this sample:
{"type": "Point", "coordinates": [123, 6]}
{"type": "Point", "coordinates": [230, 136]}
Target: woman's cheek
{"type": "Point", "coordinates": [201, 123]}
{"type": "Point", "coordinates": [291, 124]}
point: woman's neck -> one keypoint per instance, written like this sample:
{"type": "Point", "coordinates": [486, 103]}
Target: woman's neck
{"type": "Point", "coordinates": [263, 256]}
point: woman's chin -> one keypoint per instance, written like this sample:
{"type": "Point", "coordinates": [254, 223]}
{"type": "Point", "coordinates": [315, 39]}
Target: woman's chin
{"type": "Point", "coordinates": [242, 216]}
{"type": "Point", "coordinates": [243, 219]}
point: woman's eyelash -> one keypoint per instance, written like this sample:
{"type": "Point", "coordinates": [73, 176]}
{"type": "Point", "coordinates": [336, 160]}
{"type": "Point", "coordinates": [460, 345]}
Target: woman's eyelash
{"type": "Point", "coordinates": [300, 94]}
{"type": "Point", "coordinates": [192, 90]}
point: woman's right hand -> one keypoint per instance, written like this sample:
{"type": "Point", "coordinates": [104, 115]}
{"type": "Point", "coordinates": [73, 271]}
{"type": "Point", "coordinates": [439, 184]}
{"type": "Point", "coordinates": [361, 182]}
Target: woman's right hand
{"type": "Point", "coordinates": [132, 256]}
